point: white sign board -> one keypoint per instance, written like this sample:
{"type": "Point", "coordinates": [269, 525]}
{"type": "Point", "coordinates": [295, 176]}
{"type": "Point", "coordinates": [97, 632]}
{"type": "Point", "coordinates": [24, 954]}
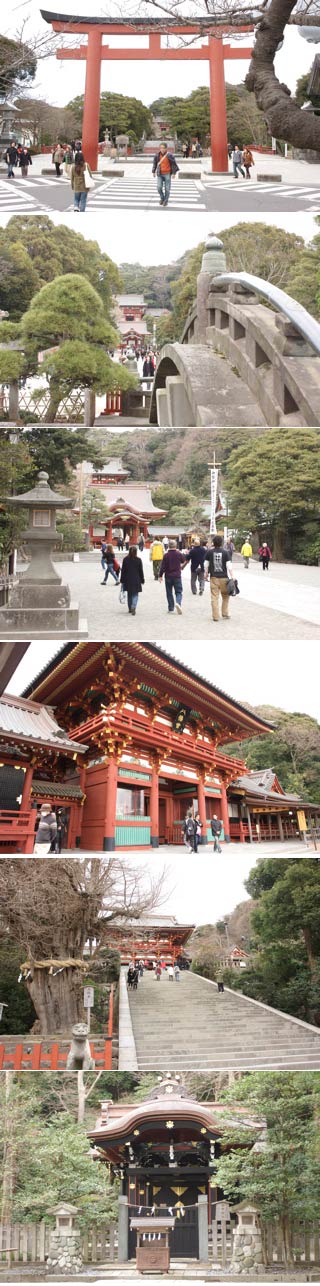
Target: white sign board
{"type": "Point", "coordinates": [214, 492]}
{"type": "Point", "coordinates": [88, 997]}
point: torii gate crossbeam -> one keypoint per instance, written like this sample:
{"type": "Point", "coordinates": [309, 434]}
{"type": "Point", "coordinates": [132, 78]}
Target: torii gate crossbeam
{"type": "Point", "coordinates": [94, 52]}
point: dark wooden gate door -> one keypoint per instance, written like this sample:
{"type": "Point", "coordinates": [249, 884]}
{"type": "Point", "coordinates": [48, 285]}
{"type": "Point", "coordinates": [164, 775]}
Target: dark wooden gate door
{"type": "Point", "coordinates": [184, 1239]}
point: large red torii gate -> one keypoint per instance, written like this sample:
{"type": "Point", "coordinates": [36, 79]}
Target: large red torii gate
{"type": "Point", "coordinates": [94, 52]}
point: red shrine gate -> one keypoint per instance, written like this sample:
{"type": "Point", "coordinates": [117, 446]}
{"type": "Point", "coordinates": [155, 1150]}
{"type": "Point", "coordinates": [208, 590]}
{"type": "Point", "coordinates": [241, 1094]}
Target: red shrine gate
{"type": "Point", "coordinates": [94, 52]}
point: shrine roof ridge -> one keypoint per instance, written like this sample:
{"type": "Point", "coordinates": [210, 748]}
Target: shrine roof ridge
{"type": "Point", "coordinates": [144, 24]}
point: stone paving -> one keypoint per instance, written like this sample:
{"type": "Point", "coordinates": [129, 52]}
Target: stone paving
{"type": "Point", "coordinates": [280, 604]}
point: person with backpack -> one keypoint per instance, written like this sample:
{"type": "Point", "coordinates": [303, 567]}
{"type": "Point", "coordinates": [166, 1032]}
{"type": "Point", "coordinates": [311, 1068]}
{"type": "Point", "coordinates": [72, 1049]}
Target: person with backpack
{"type": "Point", "coordinates": [109, 564]}
{"type": "Point", "coordinates": [216, 829]}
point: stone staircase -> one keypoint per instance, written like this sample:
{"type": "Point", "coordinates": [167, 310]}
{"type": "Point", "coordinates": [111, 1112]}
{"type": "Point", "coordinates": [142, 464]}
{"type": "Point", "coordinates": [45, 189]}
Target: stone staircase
{"type": "Point", "coordinates": [190, 1026]}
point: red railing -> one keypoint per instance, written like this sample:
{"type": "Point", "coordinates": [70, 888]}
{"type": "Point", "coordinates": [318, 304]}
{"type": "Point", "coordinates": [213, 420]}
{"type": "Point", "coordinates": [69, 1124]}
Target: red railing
{"type": "Point", "coordinates": [113, 403]}
{"type": "Point", "coordinates": [34, 1056]}
{"type": "Point", "coordinates": [17, 831]}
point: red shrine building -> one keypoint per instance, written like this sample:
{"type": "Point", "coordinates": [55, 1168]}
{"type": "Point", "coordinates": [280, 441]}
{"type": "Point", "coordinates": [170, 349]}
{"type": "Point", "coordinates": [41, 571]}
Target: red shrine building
{"type": "Point", "coordinates": [165, 1151]}
{"type": "Point", "coordinates": [150, 41]}
{"type": "Point", "coordinates": [129, 505]}
{"type": "Point", "coordinates": [145, 740]}
{"type": "Point", "coordinates": [130, 321]}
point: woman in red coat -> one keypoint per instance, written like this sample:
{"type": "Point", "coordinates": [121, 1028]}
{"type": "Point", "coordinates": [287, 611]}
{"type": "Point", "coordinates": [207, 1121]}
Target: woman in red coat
{"type": "Point", "coordinates": [264, 556]}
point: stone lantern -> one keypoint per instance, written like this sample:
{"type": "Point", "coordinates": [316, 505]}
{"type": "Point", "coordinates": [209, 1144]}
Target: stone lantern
{"type": "Point", "coordinates": [213, 262]}
{"type": "Point", "coordinates": [65, 1255]}
{"type": "Point", "coordinates": [39, 605]}
{"type": "Point", "coordinates": [247, 1243]}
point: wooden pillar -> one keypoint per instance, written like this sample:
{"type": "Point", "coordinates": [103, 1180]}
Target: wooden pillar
{"type": "Point", "coordinates": [202, 808]}
{"type": "Point", "coordinates": [26, 789]}
{"type": "Point", "coordinates": [111, 803]}
{"type": "Point", "coordinates": [269, 826]}
{"type": "Point", "coordinates": [280, 827]}
{"type": "Point", "coordinates": [241, 830]}
{"type": "Point", "coordinates": [249, 823]}
{"type": "Point", "coordinates": [154, 806]}
{"type": "Point", "coordinates": [218, 107]}
{"type": "Point", "coordinates": [225, 814]}
{"type": "Point", "coordinates": [91, 110]}
{"type": "Point", "coordinates": [78, 815]}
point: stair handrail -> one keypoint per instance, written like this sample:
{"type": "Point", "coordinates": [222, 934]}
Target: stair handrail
{"type": "Point", "coordinates": [296, 313]}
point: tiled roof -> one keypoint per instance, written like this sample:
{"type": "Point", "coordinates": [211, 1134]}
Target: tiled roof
{"type": "Point", "coordinates": [28, 721]}
{"type": "Point", "coordinates": [135, 494]}
{"type": "Point", "coordinates": [56, 790]}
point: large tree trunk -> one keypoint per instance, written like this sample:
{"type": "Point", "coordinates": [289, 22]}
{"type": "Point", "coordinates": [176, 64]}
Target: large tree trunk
{"type": "Point", "coordinates": [57, 998]}
{"type": "Point", "coordinates": [284, 117]}
{"type": "Point", "coordinates": [55, 398]}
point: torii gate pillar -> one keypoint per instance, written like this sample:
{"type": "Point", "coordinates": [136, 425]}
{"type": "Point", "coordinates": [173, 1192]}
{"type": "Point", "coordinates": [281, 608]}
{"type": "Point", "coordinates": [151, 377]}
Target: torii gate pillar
{"type": "Point", "coordinates": [218, 107]}
{"type": "Point", "coordinates": [91, 108]}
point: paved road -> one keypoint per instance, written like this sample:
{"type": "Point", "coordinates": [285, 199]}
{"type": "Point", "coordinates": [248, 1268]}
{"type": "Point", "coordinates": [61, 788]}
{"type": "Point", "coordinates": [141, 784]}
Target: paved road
{"type": "Point", "coordinates": [286, 605]}
{"type": "Point", "coordinates": [137, 191]}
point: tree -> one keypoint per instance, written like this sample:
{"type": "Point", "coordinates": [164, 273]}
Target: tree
{"type": "Point", "coordinates": [20, 1013]}
{"type": "Point", "coordinates": [190, 117]}
{"type": "Point", "coordinates": [118, 114]}
{"type": "Point", "coordinates": [19, 279]}
{"type": "Point", "coordinates": [17, 65]}
{"type": "Point", "coordinates": [54, 919]}
{"type": "Point", "coordinates": [43, 122]}
{"type": "Point", "coordinates": [294, 751]}
{"type": "Point", "coordinates": [270, 1175]}
{"type": "Point", "coordinates": [68, 316]}
{"type": "Point", "coordinates": [288, 894]}
{"type": "Point", "coordinates": [273, 485]}
{"type": "Point", "coordinates": [53, 250]}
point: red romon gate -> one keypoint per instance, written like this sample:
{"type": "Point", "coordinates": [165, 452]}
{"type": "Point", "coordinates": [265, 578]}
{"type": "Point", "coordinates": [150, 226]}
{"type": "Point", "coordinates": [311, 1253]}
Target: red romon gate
{"type": "Point", "coordinates": [94, 52]}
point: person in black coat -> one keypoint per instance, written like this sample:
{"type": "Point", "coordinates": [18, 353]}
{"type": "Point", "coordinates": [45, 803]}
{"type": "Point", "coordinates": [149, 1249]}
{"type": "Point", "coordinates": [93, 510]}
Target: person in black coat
{"type": "Point", "coordinates": [11, 158]}
{"type": "Point", "coordinates": [132, 577]}
{"type": "Point", "coordinates": [25, 159]}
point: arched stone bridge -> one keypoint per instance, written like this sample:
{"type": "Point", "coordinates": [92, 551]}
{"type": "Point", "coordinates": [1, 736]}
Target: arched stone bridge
{"type": "Point", "coordinates": [240, 361]}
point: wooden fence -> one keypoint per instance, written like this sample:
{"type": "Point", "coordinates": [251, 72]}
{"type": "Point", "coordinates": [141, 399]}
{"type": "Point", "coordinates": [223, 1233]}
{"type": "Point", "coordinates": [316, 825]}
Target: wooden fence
{"type": "Point", "coordinates": [304, 1242]}
{"type": "Point", "coordinates": [29, 1243]}
{"type": "Point", "coordinates": [47, 1055]}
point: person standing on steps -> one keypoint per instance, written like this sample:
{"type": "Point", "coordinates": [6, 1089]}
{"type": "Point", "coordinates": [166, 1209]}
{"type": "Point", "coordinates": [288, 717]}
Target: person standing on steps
{"type": "Point", "coordinates": [156, 556]}
{"type": "Point", "coordinates": [264, 556]}
{"type": "Point", "coordinates": [220, 980]}
{"type": "Point", "coordinates": [132, 578]}
{"type": "Point", "coordinates": [219, 571]}
{"type": "Point", "coordinates": [246, 552]}
{"type": "Point", "coordinates": [171, 567]}
{"type": "Point", "coordinates": [165, 168]}
{"type": "Point", "coordinates": [216, 828]}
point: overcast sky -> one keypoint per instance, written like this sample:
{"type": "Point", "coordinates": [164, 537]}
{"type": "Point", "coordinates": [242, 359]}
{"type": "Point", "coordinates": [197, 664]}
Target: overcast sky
{"type": "Point", "coordinates": [129, 240]}
{"type": "Point", "coordinates": [274, 673]}
{"type": "Point", "coordinates": [215, 892]}
{"type": "Point", "coordinates": [58, 82]}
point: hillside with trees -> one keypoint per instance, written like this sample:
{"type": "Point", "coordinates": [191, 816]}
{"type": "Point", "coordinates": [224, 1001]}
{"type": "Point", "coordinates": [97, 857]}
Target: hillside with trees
{"type": "Point", "coordinates": [293, 751]}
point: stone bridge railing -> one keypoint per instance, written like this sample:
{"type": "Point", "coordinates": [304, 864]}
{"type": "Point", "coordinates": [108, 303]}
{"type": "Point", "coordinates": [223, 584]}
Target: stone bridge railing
{"type": "Point", "coordinates": [275, 350]}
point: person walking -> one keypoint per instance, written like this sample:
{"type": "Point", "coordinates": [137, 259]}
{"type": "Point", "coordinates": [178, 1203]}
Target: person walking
{"type": "Point", "coordinates": [219, 571]}
{"type": "Point", "coordinates": [197, 832]}
{"type": "Point", "coordinates": [236, 157]}
{"type": "Point", "coordinates": [132, 578]}
{"type": "Point", "coordinates": [172, 563]}
{"type": "Point", "coordinates": [68, 160]}
{"type": "Point", "coordinates": [176, 973]}
{"type": "Point", "coordinates": [196, 556]}
{"type": "Point", "coordinates": [246, 552]}
{"type": "Point", "coordinates": [141, 542]}
{"type": "Point", "coordinates": [156, 556]}
{"type": "Point", "coordinates": [220, 980]}
{"type": "Point", "coordinates": [188, 832]}
{"type": "Point", "coordinates": [247, 160]}
{"type": "Point", "coordinates": [170, 972]}
{"type": "Point", "coordinates": [46, 832]}
{"type": "Point", "coordinates": [264, 556]}
{"type": "Point", "coordinates": [25, 159]}
{"type": "Point", "coordinates": [148, 367]}
{"type": "Point", "coordinates": [165, 168]}
{"type": "Point", "coordinates": [216, 829]}
{"type": "Point", "coordinates": [158, 972]}
{"type": "Point", "coordinates": [11, 158]}
{"type": "Point", "coordinates": [58, 158]}
{"type": "Point", "coordinates": [109, 564]}
{"type": "Point", "coordinates": [81, 181]}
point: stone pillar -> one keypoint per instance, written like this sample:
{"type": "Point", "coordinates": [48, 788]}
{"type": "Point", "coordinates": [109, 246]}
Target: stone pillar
{"type": "Point", "coordinates": [247, 1254]}
{"type": "Point", "coordinates": [280, 827]}
{"type": "Point", "coordinates": [218, 106]}
{"type": "Point", "coordinates": [111, 803]}
{"type": "Point", "coordinates": [202, 808]}
{"type": "Point", "coordinates": [91, 109]}
{"type": "Point", "coordinates": [213, 262]}
{"type": "Point", "coordinates": [225, 813]}
{"type": "Point", "coordinates": [123, 1231]}
{"type": "Point", "coordinates": [203, 1229]}
{"type": "Point", "coordinates": [154, 806]}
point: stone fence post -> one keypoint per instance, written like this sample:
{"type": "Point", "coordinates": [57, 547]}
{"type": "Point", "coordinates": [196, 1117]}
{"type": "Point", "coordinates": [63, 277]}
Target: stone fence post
{"type": "Point", "coordinates": [203, 1229]}
{"type": "Point", "coordinates": [123, 1231]}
